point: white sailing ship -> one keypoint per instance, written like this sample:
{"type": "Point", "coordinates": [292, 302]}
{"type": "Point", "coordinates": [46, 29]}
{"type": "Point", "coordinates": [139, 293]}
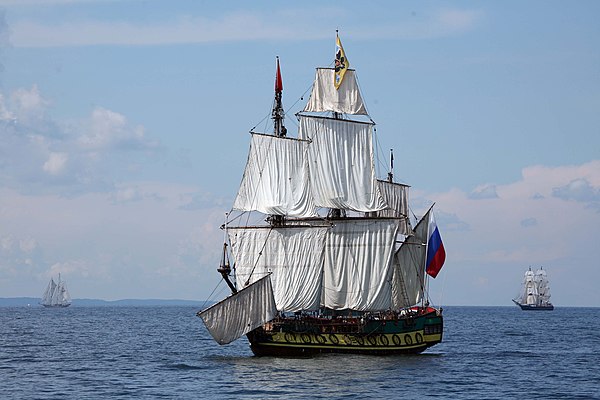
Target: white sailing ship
{"type": "Point", "coordinates": [56, 294]}
{"type": "Point", "coordinates": [535, 293]}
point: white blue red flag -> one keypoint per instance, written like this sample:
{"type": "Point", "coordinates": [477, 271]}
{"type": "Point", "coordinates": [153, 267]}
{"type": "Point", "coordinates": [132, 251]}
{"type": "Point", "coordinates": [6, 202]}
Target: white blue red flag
{"type": "Point", "coordinates": [436, 255]}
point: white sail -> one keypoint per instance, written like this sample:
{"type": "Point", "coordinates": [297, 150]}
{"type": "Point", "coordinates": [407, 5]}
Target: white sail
{"type": "Point", "coordinates": [396, 197]}
{"type": "Point", "coordinates": [530, 288]}
{"type": "Point", "coordinates": [47, 297]}
{"type": "Point", "coordinates": [357, 265]}
{"type": "Point", "coordinates": [240, 313]}
{"type": "Point", "coordinates": [66, 297]}
{"type": "Point", "coordinates": [325, 97]}
{"type": "Point", "coordinates": [293, 256]}
{"type": "Point", "coordinates": [409, 267]}
{"type": "Point", "coordinates": [342, 174]}
{"type": "Point", "coordinates": [543, 288]}
{"type": "Point", "coordinates": [275, 180]}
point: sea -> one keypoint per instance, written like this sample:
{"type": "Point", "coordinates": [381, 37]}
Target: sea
{"type": "Point", "coordinates": [164, 352]}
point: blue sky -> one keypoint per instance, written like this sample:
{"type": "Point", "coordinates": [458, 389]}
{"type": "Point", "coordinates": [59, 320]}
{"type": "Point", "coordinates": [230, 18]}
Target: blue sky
{"type": "Point", "coordinates": [124, 131]}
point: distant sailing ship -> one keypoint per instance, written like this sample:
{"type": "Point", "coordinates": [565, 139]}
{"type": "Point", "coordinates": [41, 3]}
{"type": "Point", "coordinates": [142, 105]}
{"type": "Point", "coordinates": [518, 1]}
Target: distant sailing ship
{"type": "Point", "coordinates": [56, 294]}
{"type": "Point", "coordinates": [535, 293]}
{"type": "Point", "coordinates": [335, 267]}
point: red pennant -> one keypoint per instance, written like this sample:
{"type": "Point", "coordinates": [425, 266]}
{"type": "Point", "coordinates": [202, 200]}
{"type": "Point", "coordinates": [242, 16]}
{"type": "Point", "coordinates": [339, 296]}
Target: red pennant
{"type": "Point", "coordinates": [278, 81]}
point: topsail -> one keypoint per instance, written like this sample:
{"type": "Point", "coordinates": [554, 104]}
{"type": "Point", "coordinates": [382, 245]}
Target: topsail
{"type": "Point", "coordinates": [325, 97]}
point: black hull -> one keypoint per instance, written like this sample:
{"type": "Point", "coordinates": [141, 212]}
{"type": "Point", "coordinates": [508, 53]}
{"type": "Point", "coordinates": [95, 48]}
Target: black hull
{"type": "Point", "coordinates": [527, 307]}
{"type": "Point", "coordinates": [301, 337]}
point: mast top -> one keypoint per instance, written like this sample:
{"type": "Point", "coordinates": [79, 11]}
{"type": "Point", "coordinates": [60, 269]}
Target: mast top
{"type": "Point", "coordinates": [278, 114]}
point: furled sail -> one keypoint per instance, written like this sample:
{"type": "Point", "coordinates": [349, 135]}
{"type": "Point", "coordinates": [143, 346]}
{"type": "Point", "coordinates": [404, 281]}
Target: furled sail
{"type": "Point", "coordinates": [396, 197]}
{"type": "Point", "coordinates": [409, 267]}
{"type": "Point", "coordinates": [275, 180]}
{"type": "Point", "coordinates": [293, 256]}
{"type": "Point", "coordinates": [340, 163]}
{"type": "Point", "coordinates": [325, 97]}
{"type": "Point", "coordinates": [240, 313]}
{"type": "Point", "coordinates": [357, 264]}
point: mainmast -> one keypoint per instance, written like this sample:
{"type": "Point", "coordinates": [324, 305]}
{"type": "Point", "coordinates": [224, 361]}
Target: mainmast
{"type": "Point", "coordinates": [341, 65]}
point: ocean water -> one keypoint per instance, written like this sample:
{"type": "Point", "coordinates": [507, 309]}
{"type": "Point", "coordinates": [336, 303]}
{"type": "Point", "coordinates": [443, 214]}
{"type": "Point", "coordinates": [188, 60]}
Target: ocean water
{"type": "Point", "coordinates": [166, 353]}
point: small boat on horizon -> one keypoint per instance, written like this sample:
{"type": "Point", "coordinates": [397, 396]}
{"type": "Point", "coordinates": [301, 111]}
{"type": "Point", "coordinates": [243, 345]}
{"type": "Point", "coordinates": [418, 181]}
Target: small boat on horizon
{"type": "Point", "coordinates": [535, 293]}
{"type": "Point", "coordinates": [56, 294]}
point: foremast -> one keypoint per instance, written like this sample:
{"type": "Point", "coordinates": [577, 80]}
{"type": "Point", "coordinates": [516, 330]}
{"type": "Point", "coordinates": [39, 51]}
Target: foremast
{"type": "Point", "coordinates": [278, 116]}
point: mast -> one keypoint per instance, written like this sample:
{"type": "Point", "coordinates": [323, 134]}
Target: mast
{"type": "Point", "coordinates": [280, 130]}
{"type": "Point", "coordinates": [391, 173]}
{"type": "Point", "coordinates": [341, 65]}
{"type": "Point", "coordinates": [278, 114]}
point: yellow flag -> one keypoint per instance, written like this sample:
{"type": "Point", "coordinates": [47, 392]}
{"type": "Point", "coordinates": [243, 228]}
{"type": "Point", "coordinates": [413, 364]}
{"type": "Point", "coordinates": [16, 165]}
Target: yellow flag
{"type": "Point", "coordinates": [341, 63]}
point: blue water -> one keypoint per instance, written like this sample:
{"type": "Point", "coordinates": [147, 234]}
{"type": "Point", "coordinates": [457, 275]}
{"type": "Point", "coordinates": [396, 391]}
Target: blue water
{"type": "Point", "coordinates": [165, 353]}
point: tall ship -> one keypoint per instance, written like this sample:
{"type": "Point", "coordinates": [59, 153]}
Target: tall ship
{"type": "Point", "coordinates": [324, 256]}
{"type": "Point", "coordinates": [535, 292]}
{"type": "Point", "coordinates": [56, 294]}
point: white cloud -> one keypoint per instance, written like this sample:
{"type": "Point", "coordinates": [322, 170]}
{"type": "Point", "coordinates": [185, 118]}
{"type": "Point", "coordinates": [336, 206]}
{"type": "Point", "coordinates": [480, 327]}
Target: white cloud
{"type": "Point", "coordinates": [107, 129]}
{"type": "Point", "coordinates": [5, 114]}
{"type": "Point", "coordinates": [40, 154]}
{"type": "Point", "coordinates": [484, 192]}
{"type": "Point", "coordinates": [459, 20]}
{"type": "Point", "coordinates": [56, 163]}
{"type": "Point", "coordinates": [287, 24]}
{"type": "Point", "coordinates": [578, 190]}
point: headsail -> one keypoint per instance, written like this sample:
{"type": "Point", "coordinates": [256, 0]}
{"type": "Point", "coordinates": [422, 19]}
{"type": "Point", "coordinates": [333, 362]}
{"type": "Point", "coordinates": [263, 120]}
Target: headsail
{"type": "Point", "coordinates": [48, 293]}
{"type": "Point", "coordinates": [240, 313]}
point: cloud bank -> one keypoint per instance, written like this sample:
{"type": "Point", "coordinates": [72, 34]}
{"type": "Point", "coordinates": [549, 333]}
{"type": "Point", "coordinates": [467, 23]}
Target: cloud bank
{"type": "Point", "coordinates": [242, 25]}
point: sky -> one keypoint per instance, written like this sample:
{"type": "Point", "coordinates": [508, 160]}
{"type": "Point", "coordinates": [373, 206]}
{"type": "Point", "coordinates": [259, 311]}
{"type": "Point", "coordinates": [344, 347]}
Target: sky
{"type": "Point", "coordinates": [124, 134]}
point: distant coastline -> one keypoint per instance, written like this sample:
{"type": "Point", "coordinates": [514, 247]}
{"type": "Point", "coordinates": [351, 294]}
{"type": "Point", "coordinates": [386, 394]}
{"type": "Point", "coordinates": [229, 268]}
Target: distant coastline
{"type": "Point", "coordinates": [34, 302]}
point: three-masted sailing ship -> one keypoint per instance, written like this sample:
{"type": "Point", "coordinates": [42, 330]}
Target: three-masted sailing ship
{"type": "Point", "coordinates": [56, 294]}
{"type": "Point", "coordinates": [535, 292]}
{"type": "Point", "coordinates": [335, 264]}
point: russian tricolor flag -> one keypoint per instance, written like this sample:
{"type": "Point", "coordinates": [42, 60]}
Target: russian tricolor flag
{"type": "Point", "coordinates": [436, 255]}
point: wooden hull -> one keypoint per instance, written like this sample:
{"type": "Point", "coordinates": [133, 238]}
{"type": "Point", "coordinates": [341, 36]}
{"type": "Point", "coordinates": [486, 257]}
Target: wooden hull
{"type": "Point", "coordinates": [292, 337]}
{"type": "Point", "coordinates": [528, 307]}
